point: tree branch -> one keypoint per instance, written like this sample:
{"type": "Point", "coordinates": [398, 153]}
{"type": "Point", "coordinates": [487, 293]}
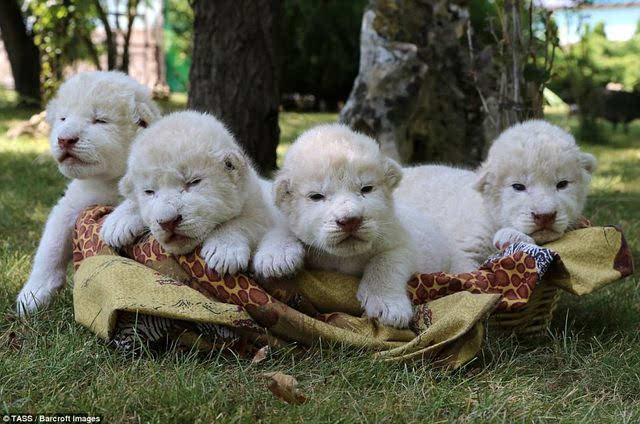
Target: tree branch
{"type": "Point", "coordinates": [93, 52]}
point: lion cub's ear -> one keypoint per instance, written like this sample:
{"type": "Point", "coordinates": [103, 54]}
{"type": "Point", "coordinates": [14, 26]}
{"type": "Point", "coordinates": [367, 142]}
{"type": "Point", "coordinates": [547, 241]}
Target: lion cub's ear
{"type": "Point", "coordinates": [281, 189]}
{"type": "Point", "coordinates": [484, 181]}
{"type": "Point", "coordinates": [145, 111]}
{"type": "Point", "coordinates": [126, 187]}
{"type": "Point", "coordinates": [52, 107]}
{"type": "Point", "coordinates": [392, 173]}
{"type": "Point", "coordinates": [588, 162]}
{"type": "Point", "coordinates": [235, 163]}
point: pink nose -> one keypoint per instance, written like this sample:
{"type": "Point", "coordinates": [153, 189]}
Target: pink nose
{"type": "Point", "coordinates": [350, 224]}
{"type": "Point", "coordinates": [171, 225]}
{"type": "Point", "coordinates": [544, 220]}
{"type": "Point", "coordinates": [66, 143]}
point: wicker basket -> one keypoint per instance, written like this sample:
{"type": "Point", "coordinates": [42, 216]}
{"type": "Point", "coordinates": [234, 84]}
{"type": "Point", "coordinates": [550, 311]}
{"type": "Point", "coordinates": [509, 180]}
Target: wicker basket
{"type": "Point", "coordinates": [534, 317]}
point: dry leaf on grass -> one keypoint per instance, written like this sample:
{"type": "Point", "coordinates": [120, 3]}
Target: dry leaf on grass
{"type": "Point", "coordinates": [285, 387]}
{"type": "Point", "coordinates": [14, 341]}
{"type": "Point", "coordinates": [261, 354]}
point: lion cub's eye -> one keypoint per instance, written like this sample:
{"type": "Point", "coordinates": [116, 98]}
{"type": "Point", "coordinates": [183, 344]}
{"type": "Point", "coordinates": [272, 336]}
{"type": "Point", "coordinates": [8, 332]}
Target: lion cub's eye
{"type": "Point", "coordinates": [62, 119]}
{"type": "Point", "coordinates": [194, 183]}
{"type": "Point", "coordinates": [316, 197]}
{"type": "Point", "coordinates": [562, 184]}
{"type": "Point", "coordinates": [518, 187]}
{"type": "Point", "coordinates": [149, 192]}
{"type": "Point", "coordinates": [366, 189]}
{"type": "Point", "coordinates": [99, 121]}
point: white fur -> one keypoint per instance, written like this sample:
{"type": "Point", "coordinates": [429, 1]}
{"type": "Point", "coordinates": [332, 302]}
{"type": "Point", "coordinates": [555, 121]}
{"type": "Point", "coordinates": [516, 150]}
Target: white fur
{"type": "Point", "coordinates": [187, 164]}
{"type": "Point", "coordinates": [482, 212]}
{"type": "Point", "coordinates": [337, 163]}
{"type": "Point", "coordinates": [104, 110]}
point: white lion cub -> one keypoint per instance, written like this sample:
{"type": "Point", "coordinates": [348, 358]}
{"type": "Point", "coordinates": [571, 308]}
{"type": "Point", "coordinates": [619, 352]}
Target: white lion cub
{"type": "Point", "coordinates": [532, 188]}
{"type": "Point", "coordinates": [93, 117]}
{"type": "Point", "coordinates": [335, 192]}
{"type": "Point", "coordinates": [190, 184]}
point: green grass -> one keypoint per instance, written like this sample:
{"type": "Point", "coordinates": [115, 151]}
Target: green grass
{"type": "Point", "coordinates": [586, 369]}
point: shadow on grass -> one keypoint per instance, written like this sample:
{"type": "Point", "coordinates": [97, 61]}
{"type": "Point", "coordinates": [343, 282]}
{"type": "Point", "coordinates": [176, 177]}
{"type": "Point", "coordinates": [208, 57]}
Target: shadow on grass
{"type": "Point", "coordinates": [29, 186]}
{"type": "Point", "coordinates": [604, 208]}
{"type": "Point", "coordinates": [611, 138]}
{"type": "Point", "coordinates": [9, 115]}
{"type": "Point", "coordinates": [610, 312]}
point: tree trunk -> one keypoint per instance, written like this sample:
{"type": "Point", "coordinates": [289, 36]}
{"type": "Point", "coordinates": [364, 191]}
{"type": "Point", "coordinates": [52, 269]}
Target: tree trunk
{"type": "Point", "coordinates": [416, 90]}
{"type": "Point", "coordinates": [110, 42]}
{"type": "Point", "coordinates": [526, 63]}
{"type": "Point", "coordinates": [235, 71]}
{"type": "Point", "coordinates": [132, 12]}
{"type": "Point", "coordinates": [23, 53]}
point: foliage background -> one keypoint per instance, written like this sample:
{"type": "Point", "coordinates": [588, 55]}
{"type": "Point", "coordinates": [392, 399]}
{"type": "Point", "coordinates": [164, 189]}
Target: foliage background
{"type": "Point", "coordinates": [596, 61]}
{"type": "Point", "coordinates": [178, 36]}
{"type": "Point", "coordinates": [320, 46]}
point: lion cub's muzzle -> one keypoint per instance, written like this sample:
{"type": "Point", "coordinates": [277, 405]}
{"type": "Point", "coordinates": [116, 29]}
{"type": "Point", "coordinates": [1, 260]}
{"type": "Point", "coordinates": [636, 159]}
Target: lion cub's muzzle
{"type": "Point", "coordinates": [170, 225]}
{"type": "Point", "coordinates": [544, 221]}
{"type": "Point", "coordinates": [172, 230]}
{"type": "Point", "coordinates": [349, 225]}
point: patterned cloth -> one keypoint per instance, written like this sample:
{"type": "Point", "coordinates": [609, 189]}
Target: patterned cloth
{"type": "Point", "coordinates": [512, 273]}
{"type": "Point", "coordinates": [178, 301]}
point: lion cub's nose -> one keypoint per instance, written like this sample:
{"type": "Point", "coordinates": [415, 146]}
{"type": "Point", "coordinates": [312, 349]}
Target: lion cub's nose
{"type": "Point", "coordinates": [170, 226]}
{"type": "Point", "coordinates": [544, 220]}
{"type": "Point", "coordinates": [350, 224]}
{"type": "Point", "coordinates": [67, 143]}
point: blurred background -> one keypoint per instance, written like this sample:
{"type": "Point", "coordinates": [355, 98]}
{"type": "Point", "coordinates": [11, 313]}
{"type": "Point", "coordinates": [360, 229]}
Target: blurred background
{"type": "Point", "coordinates": [432, 81]}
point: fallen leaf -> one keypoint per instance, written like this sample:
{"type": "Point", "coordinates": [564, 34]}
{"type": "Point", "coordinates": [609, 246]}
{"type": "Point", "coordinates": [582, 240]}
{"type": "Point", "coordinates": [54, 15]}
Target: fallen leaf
{"type": "Point", "coordinates": [471, 403]}
{"type": "Point", "coordinates": [14, 342]}
{"type": "Point", "coordinates": [261, 354]}
{"type": "Point", "coordinates": [285, 387]}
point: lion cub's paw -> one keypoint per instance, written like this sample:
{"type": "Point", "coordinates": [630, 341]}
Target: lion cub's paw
{"type": "Point", "coordinates": [121, 230]}
{"type": "Point", "coordinates": [226, 256]}
{"type": "Point", "coordinates": [393, 310]}
{"type": "Point", "coordinates": [278, 260]}
{"type": "Point", "coordinates": [38, 293]}
{"type": "Point", "coordinates": [507, 236]}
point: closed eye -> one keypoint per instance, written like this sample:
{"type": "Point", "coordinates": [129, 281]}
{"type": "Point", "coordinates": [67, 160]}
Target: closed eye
{"type": "Point", "coordinates": [562, 184]}
{"type": "Point", "coordinates": [194, 182]}
{"type": "Point", "coordinates": [149, 192]}
{"type": "Point", "coordinates": [316, 197]}
{"type": "Point", "coordinates": [519, 187]}
{"type": "Point", "coordinates": [99, 121]}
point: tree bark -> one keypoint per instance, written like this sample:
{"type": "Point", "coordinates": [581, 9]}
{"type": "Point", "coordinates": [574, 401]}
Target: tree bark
{"type": "Point", "coordinates": [22, 51]}
{"type": "Point", "coordinates": [235, 71]}
{"type": "Point", "coordinates": [110, 42]}
{"type": "Point", "coordinates": [416, 91]}
{"type": "Point", "coordinates": [526, 63]}
{"type": "Point", "coordinates": [132, 12]}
